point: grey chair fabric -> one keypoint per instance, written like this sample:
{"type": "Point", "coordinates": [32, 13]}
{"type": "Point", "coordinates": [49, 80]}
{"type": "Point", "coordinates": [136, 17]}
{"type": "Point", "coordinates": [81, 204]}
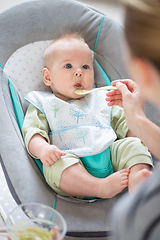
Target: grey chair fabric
{"type": "Point", "coordinates": [43, 20]}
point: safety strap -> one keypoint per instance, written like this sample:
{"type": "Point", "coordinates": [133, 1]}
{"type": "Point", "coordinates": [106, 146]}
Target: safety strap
{"type": "Point", "coordinates": [100, 26]}
{"type": "Point", "coordinates": [20, 116]}
{"type": "Point", "coordinates": [17, 107]}
{"type": "Point", "coordinates": [20, 119]}
{"type": "Point", "coordinates": [104, 75]}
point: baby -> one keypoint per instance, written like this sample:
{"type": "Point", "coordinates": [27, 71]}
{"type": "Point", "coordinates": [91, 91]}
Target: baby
{"type": "Point", "coordinates": [74, 135]}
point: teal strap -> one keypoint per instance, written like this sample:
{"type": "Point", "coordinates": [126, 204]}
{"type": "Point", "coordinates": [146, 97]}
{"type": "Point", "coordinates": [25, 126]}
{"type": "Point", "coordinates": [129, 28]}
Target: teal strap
{"type": "Point", "coordinates": [98, 33]}
{"type": "Point", "coordinates": [104, 75]}
{"type": "Point", "coordinates": [16, 105]}
{"type": "Point", "coordinates": [99, 165]}
{"type": "Point", "coordinates": [55, 199]}
{"type": "Point", "coordinates": [54, 205]}
{"type": "Point", "coordinates": [20, 116]}
{"type": "Point", "coordinates": [20, 120]}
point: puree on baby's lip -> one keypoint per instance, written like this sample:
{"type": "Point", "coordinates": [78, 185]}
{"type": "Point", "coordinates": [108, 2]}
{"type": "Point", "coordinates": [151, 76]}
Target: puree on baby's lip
{"type": "Point", "coordinates": [35, 234]}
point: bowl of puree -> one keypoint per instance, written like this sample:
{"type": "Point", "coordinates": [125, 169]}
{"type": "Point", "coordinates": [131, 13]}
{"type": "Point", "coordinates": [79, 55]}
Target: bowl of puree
{"type": "Point", "coordinates": [35, 221]}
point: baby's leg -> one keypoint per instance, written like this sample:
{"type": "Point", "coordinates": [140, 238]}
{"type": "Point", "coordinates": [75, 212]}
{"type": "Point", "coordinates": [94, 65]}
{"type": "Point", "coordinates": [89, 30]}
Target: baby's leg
{"type": "Point", "coordinates": [76, 181]}
{"type": "Point", "coordinates": [138, 173]}
{"type": "Point", "coordinates": [69, 177]}
{"type": "Point", "coordinates": [131, 153]}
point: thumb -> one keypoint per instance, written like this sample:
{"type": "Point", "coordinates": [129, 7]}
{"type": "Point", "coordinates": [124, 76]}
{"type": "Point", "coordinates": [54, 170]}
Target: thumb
{"type": "Point", "coordinates": [122, 87]}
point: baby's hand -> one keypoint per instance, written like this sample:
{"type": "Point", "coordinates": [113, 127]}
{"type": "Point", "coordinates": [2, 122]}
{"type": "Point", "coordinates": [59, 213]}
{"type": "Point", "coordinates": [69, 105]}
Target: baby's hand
{"type": "Point", "coordinates": [49, 154]}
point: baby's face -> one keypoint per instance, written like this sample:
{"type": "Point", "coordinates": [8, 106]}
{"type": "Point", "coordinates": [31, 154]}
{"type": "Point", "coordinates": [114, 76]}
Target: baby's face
{"type": "Point", "coordinates": [72, 68]}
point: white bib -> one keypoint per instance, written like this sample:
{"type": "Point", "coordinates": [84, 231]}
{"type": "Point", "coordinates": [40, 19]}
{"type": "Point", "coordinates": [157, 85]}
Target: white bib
{"type": "Point", "coordinates": [81, 126]}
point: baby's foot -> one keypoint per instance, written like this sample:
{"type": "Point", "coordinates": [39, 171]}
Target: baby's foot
{"type": "Point", "coordinates": [114, 184]}
{"type": "Point", "coordinates": [137, 178]}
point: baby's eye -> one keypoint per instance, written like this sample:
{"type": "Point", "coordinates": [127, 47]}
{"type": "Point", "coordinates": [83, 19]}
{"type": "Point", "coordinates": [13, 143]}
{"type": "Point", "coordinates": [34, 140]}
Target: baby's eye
{"type": "Point", "coordinates": [85, 66]}
{"type": "Point", "coordinates": [68, 65]}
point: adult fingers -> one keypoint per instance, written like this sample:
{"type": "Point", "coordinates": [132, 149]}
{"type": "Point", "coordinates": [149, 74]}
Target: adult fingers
{"type": "Point", "coordinates": [122, 88]}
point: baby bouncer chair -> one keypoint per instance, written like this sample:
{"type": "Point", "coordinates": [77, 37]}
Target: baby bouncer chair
{"type": "Point", "coordinates": [26, 30]}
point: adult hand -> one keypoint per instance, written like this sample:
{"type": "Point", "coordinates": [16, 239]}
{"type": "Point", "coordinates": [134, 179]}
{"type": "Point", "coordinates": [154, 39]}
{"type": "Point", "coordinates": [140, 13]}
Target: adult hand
{"type": "Point", "coordinates": [125, 88]}
{"type": "Point", "coordinates": [129, 97]}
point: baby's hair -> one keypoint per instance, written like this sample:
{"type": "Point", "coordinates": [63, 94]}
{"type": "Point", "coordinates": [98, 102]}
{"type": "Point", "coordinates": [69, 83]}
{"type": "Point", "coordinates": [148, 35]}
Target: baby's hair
{"type": "Point", "coordinates": [66, 35]}
{"type": "Point", "coordinates": [142, 29]}
{"type": "Point", "coordinates": [69, 35]}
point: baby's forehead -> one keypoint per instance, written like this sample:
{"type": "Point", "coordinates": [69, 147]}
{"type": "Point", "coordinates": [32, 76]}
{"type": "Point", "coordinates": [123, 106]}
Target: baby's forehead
{"type": "Point", "coordinates": [68, 48]}
{"type": "Point", "coordinates": [63, 47]}
{"type": "Point", "coordinates": [69, 42]}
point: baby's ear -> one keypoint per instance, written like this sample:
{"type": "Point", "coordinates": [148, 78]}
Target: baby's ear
{"type": "Point", "coordinates": [46, 77]}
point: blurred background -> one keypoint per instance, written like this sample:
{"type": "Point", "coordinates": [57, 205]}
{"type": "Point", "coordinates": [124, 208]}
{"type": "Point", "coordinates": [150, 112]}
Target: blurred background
{"type": "Point", "coordinates": [110, 7]}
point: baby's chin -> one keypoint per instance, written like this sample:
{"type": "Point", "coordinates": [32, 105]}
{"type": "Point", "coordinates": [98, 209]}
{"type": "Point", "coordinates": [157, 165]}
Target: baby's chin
{"type": "Point", "coordinates": [76, 96]}
{"type": "Point", "coordinates": [71, 96]}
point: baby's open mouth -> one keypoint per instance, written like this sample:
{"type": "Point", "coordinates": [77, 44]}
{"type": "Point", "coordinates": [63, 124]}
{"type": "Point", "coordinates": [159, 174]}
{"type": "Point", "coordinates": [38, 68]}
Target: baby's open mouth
{"type": "Point", "coordinates": [78, 85]}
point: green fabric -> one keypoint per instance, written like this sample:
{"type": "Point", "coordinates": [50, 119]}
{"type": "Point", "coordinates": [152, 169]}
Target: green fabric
{"type": "Point", "coordinates": [118, 122]}
{"type": "Point", "coordinates": [96, 164]}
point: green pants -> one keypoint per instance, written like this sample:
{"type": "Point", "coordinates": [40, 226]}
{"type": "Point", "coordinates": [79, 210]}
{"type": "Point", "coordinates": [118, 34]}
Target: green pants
{"type": "Point", "coordinates": [125, 153]}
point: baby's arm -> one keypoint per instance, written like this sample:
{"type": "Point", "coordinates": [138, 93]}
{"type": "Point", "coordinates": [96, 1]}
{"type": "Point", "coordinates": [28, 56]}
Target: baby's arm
{"type": "Point", "coordinates": [35, 132]}
{"type": "Point", "coordinates": [118, 123]}
{"type": "Point", "coordinates": [40, 148]}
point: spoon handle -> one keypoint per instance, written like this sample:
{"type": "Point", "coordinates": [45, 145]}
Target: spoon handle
{"type": "Point", "coordinates": [103, 88]}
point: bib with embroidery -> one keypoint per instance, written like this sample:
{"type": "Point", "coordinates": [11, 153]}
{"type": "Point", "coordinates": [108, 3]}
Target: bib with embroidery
{"type": "Point", "coordinates": [80, 126]}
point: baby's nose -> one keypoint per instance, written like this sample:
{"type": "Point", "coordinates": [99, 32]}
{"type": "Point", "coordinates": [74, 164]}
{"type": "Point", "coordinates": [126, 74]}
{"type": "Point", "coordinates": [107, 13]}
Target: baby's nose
{"type": "Point", "coordinates": [78, 73]}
